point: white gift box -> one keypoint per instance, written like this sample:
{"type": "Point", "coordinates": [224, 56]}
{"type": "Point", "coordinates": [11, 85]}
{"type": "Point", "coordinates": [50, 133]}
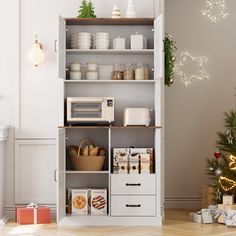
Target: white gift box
{"type": "Point", "coordinates": [207, 216]}
{"type": "Point", "coordinates": [196, 217]}
{"type": "Point", "coordinates": [228, 199]}
{"type": "Point", "coordinates": [231, 218]}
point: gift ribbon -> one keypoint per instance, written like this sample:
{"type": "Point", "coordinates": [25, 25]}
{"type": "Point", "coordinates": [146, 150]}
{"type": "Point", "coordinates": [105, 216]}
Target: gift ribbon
{"type": "Point", "coordinates": [35, 208]}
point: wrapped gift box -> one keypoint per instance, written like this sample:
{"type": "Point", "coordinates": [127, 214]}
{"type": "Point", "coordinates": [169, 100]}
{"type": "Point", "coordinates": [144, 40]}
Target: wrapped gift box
{"type": "Point", "coordinates": [206, 216]}
{"type": "Point", "coordinates": [225, 209]}
{"type": "Point", "coordinates": [39, 215]}
{"type": "Point", "coordinates": [228, 199]}
{"type": "Point", "coordinates": [231, 218]}
{"type": "Point", "coordinates": [196, 217]}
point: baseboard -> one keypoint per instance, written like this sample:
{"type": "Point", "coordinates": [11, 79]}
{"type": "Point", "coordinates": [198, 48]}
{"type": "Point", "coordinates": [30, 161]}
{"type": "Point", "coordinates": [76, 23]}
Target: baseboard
{"type": "Point", "coordinates": [10, 212]}
{"type": "Point", "coordinates": [191, 202]}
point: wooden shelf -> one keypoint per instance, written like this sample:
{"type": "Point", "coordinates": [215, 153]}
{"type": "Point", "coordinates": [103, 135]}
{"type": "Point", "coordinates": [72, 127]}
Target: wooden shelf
{"type": "Point", "coordinates": [112, 81]}
{"type": "Point", "coordinates": [109, 21]}
{"type": "Point", "coordinates": [109, 127]}
{"type": "Point", "coordinates": [109, 51]}
{"type": "Point", "coordinates": [86, 172]}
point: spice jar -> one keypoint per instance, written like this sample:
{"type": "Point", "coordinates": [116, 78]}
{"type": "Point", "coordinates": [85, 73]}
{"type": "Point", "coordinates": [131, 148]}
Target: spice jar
{"type": "Point", "coordinates": [128, 72]}
{"type": "Point", "coordinates": [139, 72]}
{"type": "Point", "coordinates": [118, 73]}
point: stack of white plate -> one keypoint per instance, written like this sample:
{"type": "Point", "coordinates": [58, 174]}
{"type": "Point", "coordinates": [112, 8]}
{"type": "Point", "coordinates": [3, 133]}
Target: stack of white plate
{"type": "Point", "coordinates": [81, 40]}
{"type": "Point", "coordinates": [102, 40]}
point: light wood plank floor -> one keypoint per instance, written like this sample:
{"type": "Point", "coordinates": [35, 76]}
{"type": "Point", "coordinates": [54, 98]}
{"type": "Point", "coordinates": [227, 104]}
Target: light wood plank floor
{"type": "Point", "coordinates": [176, 224]}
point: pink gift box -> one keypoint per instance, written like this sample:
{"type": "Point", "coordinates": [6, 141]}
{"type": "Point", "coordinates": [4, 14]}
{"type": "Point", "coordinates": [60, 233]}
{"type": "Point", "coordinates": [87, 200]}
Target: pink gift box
{"type": "Point", "coordinates": [39, 215]}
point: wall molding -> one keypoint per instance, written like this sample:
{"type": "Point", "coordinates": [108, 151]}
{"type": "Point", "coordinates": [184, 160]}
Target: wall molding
{"type": "Point", "coordinates": [189, 202]}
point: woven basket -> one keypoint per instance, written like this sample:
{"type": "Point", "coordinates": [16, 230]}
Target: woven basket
{"type": "Point", "coordinates": [86, 163]}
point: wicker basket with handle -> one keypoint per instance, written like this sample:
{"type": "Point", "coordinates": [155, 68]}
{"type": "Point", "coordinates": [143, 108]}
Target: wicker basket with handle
{"type": "Point", "coordinates": [86, 163]}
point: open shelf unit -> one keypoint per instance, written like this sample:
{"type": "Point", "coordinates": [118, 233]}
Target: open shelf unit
{"type": "Point", "coordinates": [141, 204]}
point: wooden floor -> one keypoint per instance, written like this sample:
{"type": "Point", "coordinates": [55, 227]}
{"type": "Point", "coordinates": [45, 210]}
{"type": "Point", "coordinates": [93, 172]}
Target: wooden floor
{"type": "Point", "coordinates": [176, 224]}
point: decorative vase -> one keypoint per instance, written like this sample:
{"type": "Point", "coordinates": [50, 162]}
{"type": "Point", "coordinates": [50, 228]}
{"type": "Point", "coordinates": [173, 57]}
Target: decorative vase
{"type": "Point", "coordinates": [130, 13]}
{"type": "Point", "coordinates": [116, 12]}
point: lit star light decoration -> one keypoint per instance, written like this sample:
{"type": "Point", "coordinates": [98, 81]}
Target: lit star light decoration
{"type": "Point", "coordinates": [215, 10]}
{"type": "Point", "coordinates": [198, 62]}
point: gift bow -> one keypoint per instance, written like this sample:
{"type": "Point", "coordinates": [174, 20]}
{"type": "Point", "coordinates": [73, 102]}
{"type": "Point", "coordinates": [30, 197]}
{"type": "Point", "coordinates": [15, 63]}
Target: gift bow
{"type": "Point", "coordinates": [32, 205]}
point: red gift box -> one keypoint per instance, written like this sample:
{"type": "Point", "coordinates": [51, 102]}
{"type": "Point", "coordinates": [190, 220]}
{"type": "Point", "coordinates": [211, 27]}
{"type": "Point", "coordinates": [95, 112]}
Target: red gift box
{"type": "Point", "coordinates": [39, 215]}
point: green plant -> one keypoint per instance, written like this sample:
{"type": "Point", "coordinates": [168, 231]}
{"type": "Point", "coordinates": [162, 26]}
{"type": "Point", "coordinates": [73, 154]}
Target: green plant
{"type": "Point", "coordinates": [169, 48]}
{"type": "Point", "coordinates": [86, 10]}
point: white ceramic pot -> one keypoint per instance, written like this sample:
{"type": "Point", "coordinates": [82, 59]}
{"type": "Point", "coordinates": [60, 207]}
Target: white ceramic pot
{"type": "Point", "coordinates": [75, 66]}
{"type": "Point", "coordinates": [92, 66]}
{"type": "Point", "coordinates": [92, 75]}
{"type": "Point", "coordinates": [75, 75]}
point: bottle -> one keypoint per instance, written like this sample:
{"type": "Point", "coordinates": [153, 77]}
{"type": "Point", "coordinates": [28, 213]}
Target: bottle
{"type": "Point", "coordinates": [139, 72]}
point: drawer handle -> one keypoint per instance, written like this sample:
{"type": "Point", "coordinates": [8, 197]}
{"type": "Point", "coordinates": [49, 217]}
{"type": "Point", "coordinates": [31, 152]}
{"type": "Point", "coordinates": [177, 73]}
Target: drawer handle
{"type": "Point", "coordinates": [128, 205]}
{"type": "Point", "coordinates": [127, 184]}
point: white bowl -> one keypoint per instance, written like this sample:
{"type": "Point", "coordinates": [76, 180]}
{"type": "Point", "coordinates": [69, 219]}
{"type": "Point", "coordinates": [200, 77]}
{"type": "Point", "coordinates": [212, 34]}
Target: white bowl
{"type": "Point", "coordinates": [84, 33]}
{"type": "Point", "coordinates": [102, 47]}
{"type": "Point", "coordinates": [75, 75]}
{"type": "Point", "coordinates": [104, 34]}
{"type": "Point", "coordinates": [75, 66]}
{"type": "Point", "coordinates": [92, 75]}
{"type": "Point", "coordinates": [102, 40]}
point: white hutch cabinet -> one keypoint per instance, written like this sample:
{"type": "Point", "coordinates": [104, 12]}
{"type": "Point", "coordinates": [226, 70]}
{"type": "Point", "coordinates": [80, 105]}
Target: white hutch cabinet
{"type": "Point", "coordinates": [133, 199]}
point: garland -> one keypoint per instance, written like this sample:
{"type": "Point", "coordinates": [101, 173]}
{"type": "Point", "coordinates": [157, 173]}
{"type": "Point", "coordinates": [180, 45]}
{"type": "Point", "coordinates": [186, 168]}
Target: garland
{"type": "Point", "coordinates": [169, 48]}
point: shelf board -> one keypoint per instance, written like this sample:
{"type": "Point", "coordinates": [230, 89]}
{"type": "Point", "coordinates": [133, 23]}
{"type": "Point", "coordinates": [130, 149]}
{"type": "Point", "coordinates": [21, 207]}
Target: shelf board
{"type": "Point", "coordinates": [86, 172]}
{"type": "Point", "coordinates": [112, 81]}
{"type": "Point", "coordinates": [109, 51]}
{"type": "Point", "coordinates": [109, 21]}
{"type": "Point", "coordinates": [107, 127]}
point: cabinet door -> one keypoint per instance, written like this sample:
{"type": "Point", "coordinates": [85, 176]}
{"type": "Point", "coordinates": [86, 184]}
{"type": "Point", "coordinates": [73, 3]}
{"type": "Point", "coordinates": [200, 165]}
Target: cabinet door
{"type": "Point", "coordinates": [62, 48]}
{"type": "Point", "coordinates": [61, 174]}
{"type": "Point", "coordinates": [35, 165]}
{"type": "Point", "coordinates": [159, 47]}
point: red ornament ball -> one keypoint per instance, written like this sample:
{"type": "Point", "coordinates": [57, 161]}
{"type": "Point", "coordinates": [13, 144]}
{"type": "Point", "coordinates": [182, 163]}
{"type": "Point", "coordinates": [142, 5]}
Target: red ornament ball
{"type": "Point", "coordinates": [217, 155]}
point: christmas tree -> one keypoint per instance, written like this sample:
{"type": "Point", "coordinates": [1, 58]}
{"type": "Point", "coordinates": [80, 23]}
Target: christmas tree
{"type": "Point", "coordinates": [86, 10]}
{"type": "Point", "coordinates": [222, 166]}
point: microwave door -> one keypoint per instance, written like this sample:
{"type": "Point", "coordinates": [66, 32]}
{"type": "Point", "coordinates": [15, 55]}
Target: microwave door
{"type": "Point", "coordinates": [87, 111]}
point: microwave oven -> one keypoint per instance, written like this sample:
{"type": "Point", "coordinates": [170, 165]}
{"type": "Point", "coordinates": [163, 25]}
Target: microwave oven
{"type": "Point", "coordinates": [90, 109]}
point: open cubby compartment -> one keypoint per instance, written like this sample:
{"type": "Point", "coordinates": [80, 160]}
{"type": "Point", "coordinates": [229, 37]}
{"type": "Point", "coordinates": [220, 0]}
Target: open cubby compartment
{"type": "Point", "coordinates": [133, 137]}
{"type": "Point", "coordinates": [87, 181]}
{"type": "Point", "coordinates": [98, 135]}
{"type": "Point", "coordinates": [137, 95]}
{"type": "Point", "coordinates": [114, 31]}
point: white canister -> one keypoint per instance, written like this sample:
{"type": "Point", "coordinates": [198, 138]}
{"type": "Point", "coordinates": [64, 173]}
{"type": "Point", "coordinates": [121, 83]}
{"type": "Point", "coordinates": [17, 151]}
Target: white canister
{"type": "Point", "coordinates": [75, 66]}
{"type": "Point", "coordinates": [75, 75]}
{"type": "Point", "coordinates": [92, 66]}
{"type": "Point", "coordinates": [92, 75]}
{"type": "Point", "coordinates": [119, 43]}
{"type": "Point", "coordinates": [139, 72]}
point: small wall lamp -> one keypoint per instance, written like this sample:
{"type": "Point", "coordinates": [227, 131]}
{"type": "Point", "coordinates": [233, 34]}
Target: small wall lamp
{"type": "Point", "coordinates": [36, 55]}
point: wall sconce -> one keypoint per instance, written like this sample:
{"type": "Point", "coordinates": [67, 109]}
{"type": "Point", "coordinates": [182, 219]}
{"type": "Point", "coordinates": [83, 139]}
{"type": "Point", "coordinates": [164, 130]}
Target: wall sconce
{"type": "Point", "coordinates": [36, 55]}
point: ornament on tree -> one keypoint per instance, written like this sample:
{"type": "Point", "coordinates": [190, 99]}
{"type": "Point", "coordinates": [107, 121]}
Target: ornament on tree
{"type": "Point", "coordinates": [227, 184]}
{"type": "Point", "coordinates": [218, 194]}
{"type": "Point", "coordinates": [230, 137]}
{"type": "Point", "coordinates": [116, 12]}
{"type": "Point", "coordinates": [217, 155]}
{"type": "Point", "coordinates": [215, 10]}
{"type": "Point", "coordinates": [218, 172]}
{"type": "Point", "coordinates": [232, 164]}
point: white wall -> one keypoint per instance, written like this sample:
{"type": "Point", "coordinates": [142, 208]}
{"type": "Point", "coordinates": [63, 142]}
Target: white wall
{"type": "Point", "coordinates": [195, 114]}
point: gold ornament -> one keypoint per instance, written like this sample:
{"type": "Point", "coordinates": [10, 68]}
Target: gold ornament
{"type": "Point", "coordinates": [232, 164]}
{"type": "Point", "coordinates": [227, 184]}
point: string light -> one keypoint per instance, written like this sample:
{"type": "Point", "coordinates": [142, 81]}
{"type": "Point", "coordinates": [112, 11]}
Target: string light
{"type": "Point", "coordinates": [199, 61]}
{"type": "Point", "coordinates": [230, 182]}
{"type": "Point", "coordinates": [215, 10]}
{"type": "Point", "coordinates": [232, 164]}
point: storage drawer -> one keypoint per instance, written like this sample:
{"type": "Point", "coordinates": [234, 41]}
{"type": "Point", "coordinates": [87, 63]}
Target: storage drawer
{"type": "Point", "coordinates": [133, 206]}
{"type": "Point", "coordinates": [131, 184]}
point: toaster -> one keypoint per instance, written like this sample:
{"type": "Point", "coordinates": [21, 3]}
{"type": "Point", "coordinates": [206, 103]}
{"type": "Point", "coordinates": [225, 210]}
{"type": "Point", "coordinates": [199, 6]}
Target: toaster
{"type": "Point", "coordinates": [137, 116]}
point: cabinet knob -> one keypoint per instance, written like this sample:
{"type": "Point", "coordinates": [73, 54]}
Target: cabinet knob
{"type": "Point", "coordinates": [55, 175]}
